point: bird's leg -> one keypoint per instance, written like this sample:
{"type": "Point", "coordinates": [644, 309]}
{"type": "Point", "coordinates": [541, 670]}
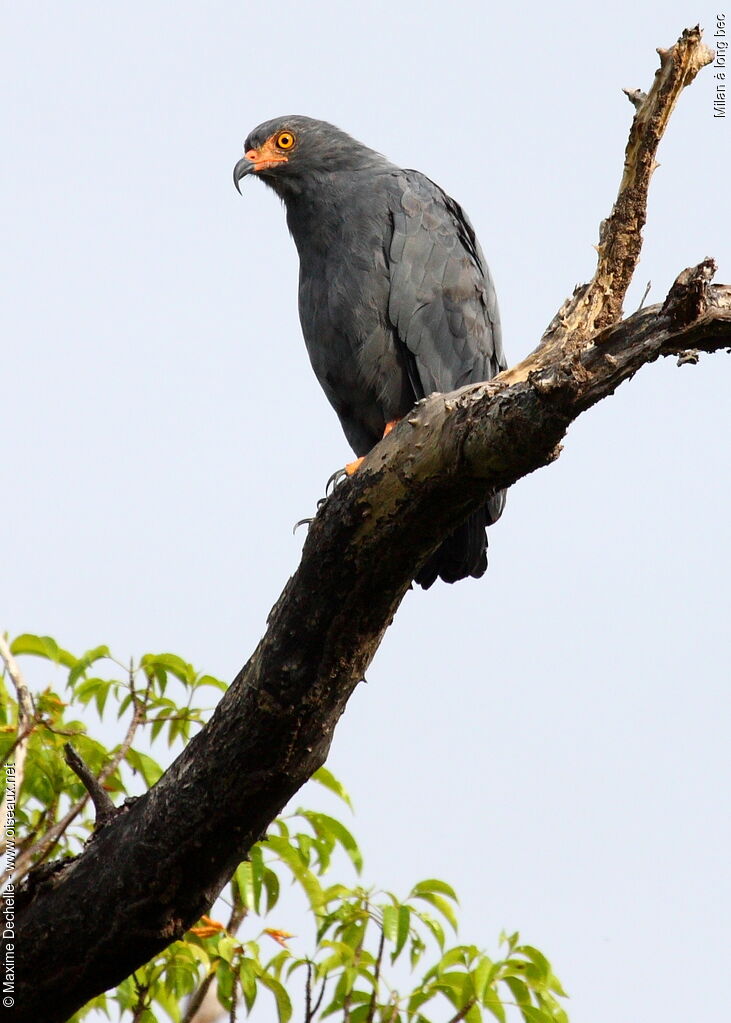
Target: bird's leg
{"type": "Point", "coordinates": [352, 467]}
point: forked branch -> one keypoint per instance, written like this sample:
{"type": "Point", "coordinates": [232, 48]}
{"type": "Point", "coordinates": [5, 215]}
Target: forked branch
{"type": "Point", "coordinates": [156, 868]}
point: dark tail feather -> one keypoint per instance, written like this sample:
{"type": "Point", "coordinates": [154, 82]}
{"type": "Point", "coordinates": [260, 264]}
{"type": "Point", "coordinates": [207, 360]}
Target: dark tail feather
{"type": "Point", "coordinates": [464, 552]}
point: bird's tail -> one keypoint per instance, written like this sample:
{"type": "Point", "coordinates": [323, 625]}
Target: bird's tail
{"type": "Point", "coordinates": [464, 552]}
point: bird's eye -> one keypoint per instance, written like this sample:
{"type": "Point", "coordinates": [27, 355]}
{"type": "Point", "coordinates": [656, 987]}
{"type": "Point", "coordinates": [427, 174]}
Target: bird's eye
{"type": "Point", "coordinates": [285, 140]}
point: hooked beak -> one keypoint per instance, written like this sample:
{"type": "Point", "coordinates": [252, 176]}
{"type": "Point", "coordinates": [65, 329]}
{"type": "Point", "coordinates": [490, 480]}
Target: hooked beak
{"type": "Point", "coordinates": [243, 167]}
{"type": "Point", "coordinates": [265, 158]}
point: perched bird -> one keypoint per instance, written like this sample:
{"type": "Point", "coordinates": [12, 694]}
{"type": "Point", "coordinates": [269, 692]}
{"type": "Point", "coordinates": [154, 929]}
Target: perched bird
{"type": "Point", "coordinates": [395, 298]}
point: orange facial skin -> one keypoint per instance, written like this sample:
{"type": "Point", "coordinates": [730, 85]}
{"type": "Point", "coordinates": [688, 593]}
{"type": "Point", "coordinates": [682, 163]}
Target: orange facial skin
{"type": "Point", "coordinates": [266, 156]}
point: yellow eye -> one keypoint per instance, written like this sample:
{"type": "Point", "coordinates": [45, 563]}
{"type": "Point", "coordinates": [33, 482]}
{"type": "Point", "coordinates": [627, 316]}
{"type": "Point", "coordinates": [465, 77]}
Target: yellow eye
{"type": "Point", "coordinates": [285, 140]}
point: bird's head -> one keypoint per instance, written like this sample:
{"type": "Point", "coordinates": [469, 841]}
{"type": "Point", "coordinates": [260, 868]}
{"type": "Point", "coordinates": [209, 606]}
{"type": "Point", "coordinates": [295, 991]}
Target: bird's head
{"type": "Point", "coordinates": [288, 151]}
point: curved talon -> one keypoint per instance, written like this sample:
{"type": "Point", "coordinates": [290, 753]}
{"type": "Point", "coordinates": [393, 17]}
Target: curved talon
{"type": "Point", "coordinates": [302, 522]}
{"type": "Point", "coordinates": [336, 477]}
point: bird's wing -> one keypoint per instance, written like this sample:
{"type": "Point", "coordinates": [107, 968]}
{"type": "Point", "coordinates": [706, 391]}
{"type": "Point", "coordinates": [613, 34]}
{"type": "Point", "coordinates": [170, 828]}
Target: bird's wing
{"type": "Point", "coordinates": [442, 300]}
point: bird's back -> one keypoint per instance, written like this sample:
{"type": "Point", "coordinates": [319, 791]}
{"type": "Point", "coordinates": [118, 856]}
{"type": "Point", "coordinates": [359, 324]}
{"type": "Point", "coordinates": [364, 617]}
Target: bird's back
{"type": "Point", "coordinates": [396, 300]}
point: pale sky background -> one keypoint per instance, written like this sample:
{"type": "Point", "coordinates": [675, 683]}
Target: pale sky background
{"type": "Point", "coordinates": [552, 739]}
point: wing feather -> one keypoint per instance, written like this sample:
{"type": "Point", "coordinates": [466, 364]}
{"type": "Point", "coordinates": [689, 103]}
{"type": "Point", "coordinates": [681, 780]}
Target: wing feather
{"type": "Point", "coordinates": [442, 300]}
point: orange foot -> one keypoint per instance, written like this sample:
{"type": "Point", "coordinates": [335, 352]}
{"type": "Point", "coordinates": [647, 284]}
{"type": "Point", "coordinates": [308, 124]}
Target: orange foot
{"type": "Point", "coordinates": [353, 467]}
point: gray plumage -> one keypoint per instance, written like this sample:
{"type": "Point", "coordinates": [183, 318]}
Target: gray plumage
{"type": "Point", "coordinates": [395, 297]}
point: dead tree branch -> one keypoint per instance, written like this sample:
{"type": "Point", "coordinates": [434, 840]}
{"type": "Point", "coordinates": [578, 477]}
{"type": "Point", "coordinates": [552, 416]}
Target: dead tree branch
{"type": "Point", "coordinates": [102, 803]}
{"type": "Point", "coordinates": [156, 868]}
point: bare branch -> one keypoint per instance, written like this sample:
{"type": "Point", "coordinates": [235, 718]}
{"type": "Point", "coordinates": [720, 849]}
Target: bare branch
{"type": "Point", "coordinates": [274, 725]}
{"type": "Point", "coordinates": [102, 803]}
{"type": "Point", "coordinates": [26, 723]}
{"type": "Point", "coordinates": [238, 915]}
{"type": "Point", "coordinates": [636, 97]}
{"type": "Point", "coordinates": [599, 303]}
{"type": "Point", "coordinates": [376, 977]}
{"type": "Point", "coordinates": [463, 1011]}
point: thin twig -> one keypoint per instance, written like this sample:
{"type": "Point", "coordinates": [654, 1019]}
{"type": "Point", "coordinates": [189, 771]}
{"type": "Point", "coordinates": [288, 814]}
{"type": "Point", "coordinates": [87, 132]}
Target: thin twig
{"type": "Point", "coordinates": [20, 738]}
{"type": "Point", "coordinates": [394, 1011]}
{"type": "Point", "coordinates": [238, 915]}
{"type": "Point", "coordinates": [376, 977]}
{"type": "Point", "coordinates": [197, 998]}
{"type": "Point", "coordinates": [42, 848]}
{"type": "Point", "coordinates": [463, 1012]}
{"type": "Point", "coordinates": [320, 997]}
{"type": "Point", "coordinates": [308, 993]}
{"type": "Point", "coordinates": [26, 723]}
{"type": "Point", "coordinates": [646, 293]}
{"type": "Point", "coordinates": [141, 1007]}
{"type": "Point", "coordinates": [234, 999]}
{"type": "Point", "coordinates": [102, 803]}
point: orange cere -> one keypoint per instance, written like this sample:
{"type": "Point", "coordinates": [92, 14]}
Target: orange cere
{"type": "Point", "coordinates": [266, 156]}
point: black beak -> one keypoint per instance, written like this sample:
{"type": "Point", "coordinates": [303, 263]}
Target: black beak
{"type": "Point", "coordinates": [243, 167]}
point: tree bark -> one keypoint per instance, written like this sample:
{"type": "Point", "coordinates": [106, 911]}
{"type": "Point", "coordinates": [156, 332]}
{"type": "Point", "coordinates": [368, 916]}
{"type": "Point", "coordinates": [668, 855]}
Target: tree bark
{"type": "Point", "coordinates": [150, 872]}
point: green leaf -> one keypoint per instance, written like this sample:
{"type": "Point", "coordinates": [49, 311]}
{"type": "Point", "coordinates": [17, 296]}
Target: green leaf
{"type": "Point", "coordinates": [198, 953]}
{"type": "Point", "coordinates": [209, 680]}
{"type": "Point", "coordinates": [453, 986]}
{"type": "Point", "coordinates": [184, 672]}
{"type": "Point", "coordinates": [519, 990]}
{"type": "Point", "coordinates": [244, 879]}
{"type": "Point", "coordinates": [86, 660]}
{"type": "Point", "coordinates": [305, 844]}
{"type": "Point", "coordinates": [451, 958]}
{"type": "Point", "coordinates": [435, 886]}
{"type": "Point", "coordinates": [324, 777]}
{"type": "Point", "coordinates": [353, 934]}
{"type": "Point", "coordinates": [481, 976]}
{"type": "Point", "coordinates": [256, 858]}
{"type": "Point", "coordinates": [434, 927]}
{"type": "Point", "coordinates": [247, 976]}
{"type": "Point", "coordinates": [123, 705]}
{"type": "Point", "coordinates": [329, 826]}
{"type": "Point", "coordinates": [96, 689]}
{"type": "Point", "coordinates": [145, 765]}
{"type": "Point", "coordinates": [492, 1002]}
{"type": "Point", "coordinates": [42, 646]}
{"type": "Point", "coordinates": [441, 904]}
{"type": "Point", "coordinates": [551, 1008]}
{"type": "Point", "coordinates": [416, 950]}
{"type": "Point", "coordinates": [474, 1014]}
{"type": "Point", "coordinates": [402, 931]}
{"type": "Point", "coordinates": [225, 983]}
{"type": "Point", "coordinates": [420, 997]}
{"type": "Point", "coordinates": [533, 1015]}
{"type": "Point", "coordinates": [271, 885]}
{"type": "Point", "coordinates": [227, 947]}
{"type": "Point", "coordinates": [284, 1005]}
{"type": "Point", "coordinates": [390, 922]}
{"type": "Point", "coordinates": [286, 852]}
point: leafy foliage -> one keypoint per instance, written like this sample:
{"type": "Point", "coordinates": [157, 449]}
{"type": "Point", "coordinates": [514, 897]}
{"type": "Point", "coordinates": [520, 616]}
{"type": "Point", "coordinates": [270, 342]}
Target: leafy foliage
{"type": "Point", "coordinates": [362, 936]}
